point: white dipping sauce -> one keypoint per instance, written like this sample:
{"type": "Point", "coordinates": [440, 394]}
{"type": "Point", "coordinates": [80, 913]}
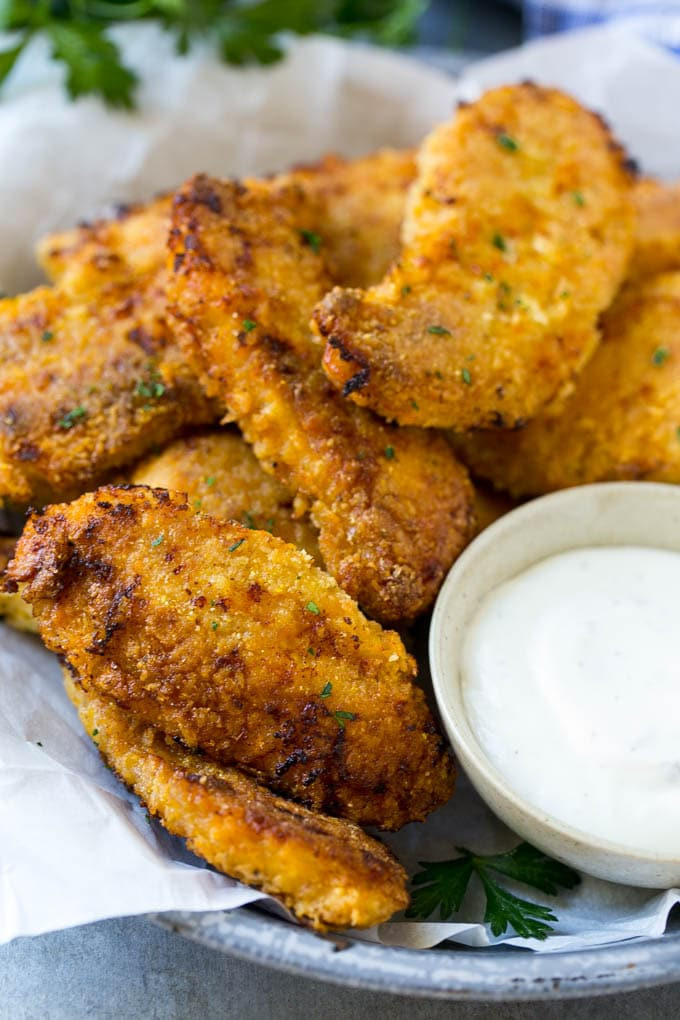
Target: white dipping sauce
{"type": "Point", "coordinates": [571, 683]}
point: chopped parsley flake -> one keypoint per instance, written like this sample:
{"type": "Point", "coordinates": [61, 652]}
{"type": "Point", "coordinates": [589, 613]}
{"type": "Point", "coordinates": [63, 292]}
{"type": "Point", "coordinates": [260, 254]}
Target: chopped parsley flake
{"type": "Point", "coordinates": [414, 405]}
{"type": "Point", "coordinates": [313, 608]}
{"type": "Point", "coordinates": [209, 480]}
{"type": "Point", "coordinates": [248, 325]}
{"type": "Point", "coordinates": [488, 277]}
{"type": "Point", "coordinates": [498, 241]}
{"type": "Point", "coordinates": [389, 452]}
{"type": "Point", "coordinates": [438, 374]}
{"type": "Point", "coordinates": [660, 355]}
{"type": "Point", "coordinates": [578, 198]}
{"type": "Point", "coordinates": [340, 718]}
{"type": "Point", "coordinates": [214, 624]}
{"type": "Point", "coordinates": [70, 419]}
{"type": "Point", "coordinates": [465, 376]}
{"type": "Point", "coordinates": [506, 142]}
{"type": "Point", "coordinates": [326, 692]}
{"type": "Point", "coordinates": [95, 732]}
{"type": "Point", "coordinates": [405, 290]}
{"type": "Point", "coordinates": [152, 388]}
{"type": "Point", "coordinates": [565, 294]}
{"type": "Point", "coordinates": [198, 503]}
{"type": "Point", "coordinates": [439, 330]}
{"type": "Point", "coordinates": [312, 651]}
{"type": "Point", "coordinates": [157, 541]}
{"type": "Point", "coordinates": [47, 336]}
{"type": "Point", "coordinates": [236, 545]}
{"type": "Point", "coordinates": [311, 239]}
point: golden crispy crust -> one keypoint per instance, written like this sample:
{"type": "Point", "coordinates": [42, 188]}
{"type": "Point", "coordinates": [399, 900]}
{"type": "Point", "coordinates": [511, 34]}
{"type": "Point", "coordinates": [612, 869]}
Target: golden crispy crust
{"type": "Point", "coordinates": [327, 871]}
{"type": "Point", "coordinates": [517, 234]}
{"type": "Point", "coordinates": [232, 641]}
{"type": "Point", "coordinates": [392, 505]}
{"type": "Point", "coordinates": [13, 609]}
{"type": "Point", "coordinates": [221, 476]}
{"type": "Point", "coordinates": [622, 419]}
{"type": "Point", "coordinates": [657, 235]}
{"type": "Point", "coordinates": [361, 207]}
{"type": "Point", "coordinates": [87, 387]}
{"type": "Point", "coordinates": [490, 505]}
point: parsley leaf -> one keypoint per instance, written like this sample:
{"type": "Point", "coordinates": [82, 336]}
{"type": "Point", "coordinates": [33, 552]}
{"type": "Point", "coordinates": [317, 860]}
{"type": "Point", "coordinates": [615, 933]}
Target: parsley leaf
{"type": "Point", "coordinates": [93, 62]}
{"type": "Point", "coordinates": [441, 885]}
{"type": "Point", "coordinates": [242, 32]}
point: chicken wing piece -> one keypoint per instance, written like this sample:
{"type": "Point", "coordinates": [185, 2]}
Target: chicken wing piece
{"type": "Point", "coordinates": [393, 506]}
{"type": "Point", "coordinates": [517, 234]}
{"type": "Point", "coordinates": [232, 641]}
{"type": "Point", "coordinates": [221, 476]}
{"type": "Point", "coordinates": [623, 417]}
{"type": "Point", "coordinates": [327, 871]}
{"type": "Point", "coordinates": [657, 235]}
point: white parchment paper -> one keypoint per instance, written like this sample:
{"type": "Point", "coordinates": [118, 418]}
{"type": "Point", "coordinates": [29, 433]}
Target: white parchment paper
{"type": "Point", "coordinates": [74, 846]}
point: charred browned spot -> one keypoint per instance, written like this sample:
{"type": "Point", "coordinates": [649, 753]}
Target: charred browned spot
{"type": "Point", "coordinates": [497, 420]}
{"type": "Point", "coordinates": [255, 591]}
{"type": "Point", "coordinates": [28, 452]}
{"type": "Point", "coordinates": [356, 382]}
{"type": "Point", "coordinates": [310, 777]}
{"type": "Point", "coordinates": [232, 661]}
{"type": "Point", "coordinates": [111, 621]}
{"type": "Point", "coordinates": [199, 601]}
{"type": "Point", "coordinates": [201, 192]}
{"type": "Point", "coordinates": [297, 757]}
{"type": "Point", "coordinates": [178, 261]}
{"type": "Point", "coordinates": [143, 339]}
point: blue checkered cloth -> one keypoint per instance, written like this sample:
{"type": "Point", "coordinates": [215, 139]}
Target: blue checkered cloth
{"type": "Point", "coordinates": [657, 21]}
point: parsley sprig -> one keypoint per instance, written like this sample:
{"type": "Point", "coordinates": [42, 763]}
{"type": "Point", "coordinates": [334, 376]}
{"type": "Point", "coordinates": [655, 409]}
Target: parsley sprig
{"type": "Point", "coordinates": [243, 32]}
{"type": "Point", "coordinates": [441, 885]}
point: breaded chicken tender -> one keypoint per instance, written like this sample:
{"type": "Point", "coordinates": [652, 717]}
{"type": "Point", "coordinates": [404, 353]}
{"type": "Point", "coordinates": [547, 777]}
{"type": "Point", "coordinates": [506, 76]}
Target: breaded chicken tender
{"type": "Point", "coordinates": [393, 506]}
{"type": "Point", "coordinates": [232, 641]}
{"type": "Point", "coordinates": [517, 233]}
{"type": "Point", "coordinates": [129, 245]}
{"type": "Point", "coordinates": [622, 420]}
{"type": "Point", "coordinates": [221, 476]}
{"type": "Point", "coordinates": [327, 871]}
{"type": "Point", "coordinates": [361, 206]}
{"type": "Point", "coordinates": [13, 609]}
{"type": "Point", "coordinates": [657, 235]}
{"type": "Point", "coordinates": [87, 386]}
{"type": "Point", "coordinates": [490, 505]}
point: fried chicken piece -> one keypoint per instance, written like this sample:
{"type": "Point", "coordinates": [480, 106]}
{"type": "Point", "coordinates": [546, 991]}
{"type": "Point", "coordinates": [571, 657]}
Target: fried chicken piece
{"type": "Point", "coordinates": [517, 234]}
{"type": "Point", "coordinates": [232, 641]}
{"type": "Point", "coordinates": [393, 506]}
{"type": "Point", "coordinates": [622, 419]}
{"type": "Point", "coordinates": [490, 505]}
{"type": "Point", "coordinates": [86, 387]}
{"type": "Point", "coordinates": [13, 609]}
{"type": "Point", "coordinates": [657, 235]}
{"type": "Point", "coordinates": [361, 206]}
{"type": "Point", "coordinates": [221, 476]}
{"type": "Point", "coordinates": [327, 871]}
{"type": "Point", "coordinates": [127, 246]}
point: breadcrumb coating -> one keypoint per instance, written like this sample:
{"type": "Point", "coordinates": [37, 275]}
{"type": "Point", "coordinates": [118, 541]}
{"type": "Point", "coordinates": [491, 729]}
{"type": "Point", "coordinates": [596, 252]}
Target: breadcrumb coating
{"type": "Point", "coordinates": [327, 871]}
{"type": "Point", "coordinates": [517, 234]}
{"type": "Point", "coordinates": [232, 641]}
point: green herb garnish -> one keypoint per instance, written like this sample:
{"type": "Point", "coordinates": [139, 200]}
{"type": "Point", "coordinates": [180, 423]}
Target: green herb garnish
{"type": "Point", "coordinates": [209, 480]}
{"type": "Point", "coordinates": [313, 608]}
{"type": "Point", "coordinates": [157, 541]}
{"type": "Point", "coordinates": [236, 545]}
{"type": "Point", "coordinates": [47, 336]}
{"type": "Point", "coordinates": [341, 717]}
{"type": "Point", "coordinates": [441, 886]}
{"type": "Point", "coordinates": [248, 325]}
{"type": "Point", "coordinates": [439, 330]}
{"type": "Point", "coordinates": [242, 33]}
{"type": "Point", "coordinates": [313, 240]}
{"type": "Point", "coordinates": [660, 355]}
{"type": "Point", "coordinates": [70, 419]}
{"type": "Point", "coordinates": [405, 290]}
{"type": "Point", "coordinates": [465, 376]}
{"type": "Point", "coordinates": [498, 241]}
{"type": "Point", "coordinates": [578, 198]}
{"type": "Point", "coordinates": [389, 452]}
{"type": "Point", "coordinates": [214, 624]}
{"type": "Point", "coordinates": [506, 142]}
{"type": "Point", "coordinates": [326, 692]}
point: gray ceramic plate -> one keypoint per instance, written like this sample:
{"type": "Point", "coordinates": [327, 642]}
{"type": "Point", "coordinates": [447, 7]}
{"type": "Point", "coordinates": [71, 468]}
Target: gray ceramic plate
{"type": "Point", "coordinates": [444, 973]}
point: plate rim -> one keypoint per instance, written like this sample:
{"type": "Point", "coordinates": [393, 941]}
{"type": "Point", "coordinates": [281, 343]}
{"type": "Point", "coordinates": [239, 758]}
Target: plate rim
{"type": "Point", "coordinates": [496, 974]}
